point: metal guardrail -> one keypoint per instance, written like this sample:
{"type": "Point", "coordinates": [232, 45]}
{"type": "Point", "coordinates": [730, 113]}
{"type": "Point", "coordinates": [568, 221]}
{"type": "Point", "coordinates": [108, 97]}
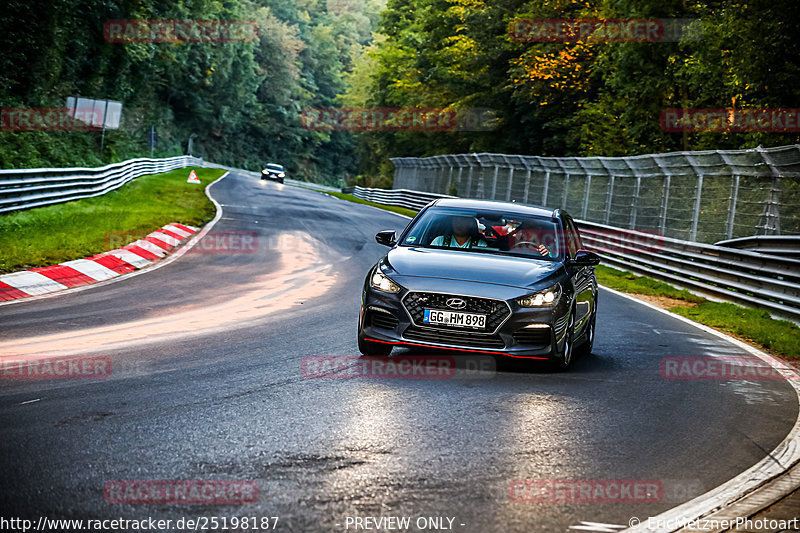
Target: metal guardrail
{"type": "Point", "coordinates": [781, 245]}
{"type": "Point", "coordinates": [746, 277]}
{"type": "Point", "coordinates": [398, 197]}
{"type": "Point", "coordinates": [35, 187]}
{"type": "Point", "coordinates": [703, 196]}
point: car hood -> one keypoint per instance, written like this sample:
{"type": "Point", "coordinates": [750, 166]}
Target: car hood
{"type": "Point", "coordinates": [472, 266]}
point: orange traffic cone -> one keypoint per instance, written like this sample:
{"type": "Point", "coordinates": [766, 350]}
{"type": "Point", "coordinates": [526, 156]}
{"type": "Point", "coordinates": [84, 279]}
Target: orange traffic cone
{"type": "Point", "coordinates": [193, 177]}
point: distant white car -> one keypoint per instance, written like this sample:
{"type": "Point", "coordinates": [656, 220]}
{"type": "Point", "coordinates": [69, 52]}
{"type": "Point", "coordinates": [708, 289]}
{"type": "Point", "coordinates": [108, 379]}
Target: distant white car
{"type": "Point", "coordinates": [273, 172]}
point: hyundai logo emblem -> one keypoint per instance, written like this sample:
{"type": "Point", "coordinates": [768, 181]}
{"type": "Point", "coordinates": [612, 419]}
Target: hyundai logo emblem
{"type": "Point", "coordinates": [456, 303]}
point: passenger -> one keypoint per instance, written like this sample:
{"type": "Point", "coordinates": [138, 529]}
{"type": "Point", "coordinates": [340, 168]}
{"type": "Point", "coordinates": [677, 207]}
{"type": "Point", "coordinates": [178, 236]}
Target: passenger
{"type": "Point", "coordinates": [465, 235]}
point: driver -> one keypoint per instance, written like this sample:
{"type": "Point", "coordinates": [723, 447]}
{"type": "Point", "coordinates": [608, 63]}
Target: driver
{"type": "Point", "coordinates": [465, 234]}
{"type": "Point", "coordinates": [532, 239]}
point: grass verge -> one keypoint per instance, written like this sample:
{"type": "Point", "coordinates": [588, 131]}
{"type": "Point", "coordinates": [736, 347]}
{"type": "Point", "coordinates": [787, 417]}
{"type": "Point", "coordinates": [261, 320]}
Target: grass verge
{"type": "Point", "coordinates": [753, 325]}
{"type": "Point", "coordinates": [52, 234]}
{"type": "Point", "coordinates": [624, 281]}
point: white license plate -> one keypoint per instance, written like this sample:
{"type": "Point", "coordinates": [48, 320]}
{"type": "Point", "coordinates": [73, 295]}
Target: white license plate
{"type": "Point", "coordinates": [454, 318]}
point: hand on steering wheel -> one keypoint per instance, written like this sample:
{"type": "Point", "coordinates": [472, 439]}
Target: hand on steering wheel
{"type": "Point", "coordinates": [528, 244]}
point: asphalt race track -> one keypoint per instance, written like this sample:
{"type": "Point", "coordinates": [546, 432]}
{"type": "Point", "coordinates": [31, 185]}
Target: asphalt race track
{"type": "Point", "coordinates": [206, 384]}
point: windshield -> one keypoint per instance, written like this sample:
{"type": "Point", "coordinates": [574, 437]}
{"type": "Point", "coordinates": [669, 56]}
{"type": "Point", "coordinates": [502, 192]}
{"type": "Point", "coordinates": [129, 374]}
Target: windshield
{"type": "Point", "coordinates": [274, 167]}
{"type": "Point", "coordinates": [493, 232]}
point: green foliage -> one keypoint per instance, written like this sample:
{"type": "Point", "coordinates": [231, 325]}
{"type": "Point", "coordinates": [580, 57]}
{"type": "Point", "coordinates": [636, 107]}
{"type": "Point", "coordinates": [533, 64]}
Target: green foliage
{"type": "Point", "coordinates": [575, 98]}
{"type": "Point", "coordinates": [52, 234]}
{"type": "Point", "coordinates": [243, 101]}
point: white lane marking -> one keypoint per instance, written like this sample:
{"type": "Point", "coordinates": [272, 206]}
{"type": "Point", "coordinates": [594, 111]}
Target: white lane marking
{"type": "Point", "coordinates": [130, 257]}
{"type": "Point", "coordinates": [31, 282]}
{"type": "Point", "coordinates": [30, 401]}
{"type": "Point", "coordinates": [150, 247]}
{"type": "Point", "coordinates": [175, 229]}
{"type": "Point", "coordinates": [89, 268]}
{"type": "Point", "coordinates": [160, 235]}
{"type": "Point", "coordinates": [777, 462]}
{"type": "Point", "coordinates": [182, 250]}
{"type": "Point", "coordinates": [597, 526]}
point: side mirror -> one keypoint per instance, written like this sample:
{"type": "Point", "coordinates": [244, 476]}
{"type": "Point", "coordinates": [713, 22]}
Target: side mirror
{"type": "Point", "coordinates": [386, 237]}
{"type": "Point", "coordinates": [586, 258]}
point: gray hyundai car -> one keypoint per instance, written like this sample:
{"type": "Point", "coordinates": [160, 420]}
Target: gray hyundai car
{"type": "Point", "coordinates": [483, 276]}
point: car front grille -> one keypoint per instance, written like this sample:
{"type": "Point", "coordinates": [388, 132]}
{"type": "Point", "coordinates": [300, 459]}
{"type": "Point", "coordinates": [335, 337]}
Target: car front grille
{"type": "Point", "coordinates": [496, 311]}
{"type": "Point", "coordinates": [382, 319]}
{"type": "Point", "coordinates": [534, 336]}
{"type": "Point", "coordinates": [456, 338]}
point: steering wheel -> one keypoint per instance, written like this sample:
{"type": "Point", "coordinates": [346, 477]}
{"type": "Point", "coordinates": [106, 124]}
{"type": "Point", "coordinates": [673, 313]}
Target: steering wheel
{"type": "Point", "coordinates": [532, 246]}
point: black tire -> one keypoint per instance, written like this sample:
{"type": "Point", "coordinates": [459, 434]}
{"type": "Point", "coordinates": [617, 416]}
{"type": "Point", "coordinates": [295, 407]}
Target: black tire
{"type": "Point", "coordinates": [588, 343]}
{"type": "Point", "coordinates": [588, 338]}
{"type": "Point", "coordinates": [373, 348]}
{"type": "Point", "coordinates": [563, 360]}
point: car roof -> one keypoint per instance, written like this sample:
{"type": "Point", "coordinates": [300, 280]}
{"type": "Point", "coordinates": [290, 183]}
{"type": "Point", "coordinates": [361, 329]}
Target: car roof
{"type": "Point", "coordinates": [274, 165]}
{"type": "Point", "coordinates": [510, 207]}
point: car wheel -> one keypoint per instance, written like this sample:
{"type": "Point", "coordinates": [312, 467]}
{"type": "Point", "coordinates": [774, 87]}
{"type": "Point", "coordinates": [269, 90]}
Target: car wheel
{"type": "Point", "coordinates": [564, 359]}
{"type": "Point", "coordinates": [373, 348]}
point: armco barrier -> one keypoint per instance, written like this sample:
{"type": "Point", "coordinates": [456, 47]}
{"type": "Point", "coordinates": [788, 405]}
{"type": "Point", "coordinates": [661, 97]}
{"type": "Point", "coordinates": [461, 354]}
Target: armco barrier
{"type": "Point", "coordinates": [399, 197]}
{"type": "Point", "coordinates": [750, 278]}
{"type": "Point", "coordinates": [35, 187]}
{"type": "Point", "coordinates": [782, 245]}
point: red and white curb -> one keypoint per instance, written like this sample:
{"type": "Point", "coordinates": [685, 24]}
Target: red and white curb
{"type": "Point", "coordinates": [100, 267]}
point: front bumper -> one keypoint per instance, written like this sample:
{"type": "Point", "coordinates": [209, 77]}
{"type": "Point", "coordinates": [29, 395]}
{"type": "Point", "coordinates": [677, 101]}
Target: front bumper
{"type": "Point", "coordinates": [271, 176]}
{"type": "Point", "coordinates": [520, 332]}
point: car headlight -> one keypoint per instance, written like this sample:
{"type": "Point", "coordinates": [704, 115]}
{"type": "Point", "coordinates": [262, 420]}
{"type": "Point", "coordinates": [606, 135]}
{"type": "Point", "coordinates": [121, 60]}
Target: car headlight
{"type": "Point", "coordinates": [545, 298]}
{"type": "Point", "coordinates": [281, 175]}
{"type": "Point", "coordinates": [382, 283]}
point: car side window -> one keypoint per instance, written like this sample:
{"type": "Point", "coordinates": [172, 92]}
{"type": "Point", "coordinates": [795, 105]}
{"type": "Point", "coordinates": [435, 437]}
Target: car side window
{"type": "Point", "coordinates": [573, 238]}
